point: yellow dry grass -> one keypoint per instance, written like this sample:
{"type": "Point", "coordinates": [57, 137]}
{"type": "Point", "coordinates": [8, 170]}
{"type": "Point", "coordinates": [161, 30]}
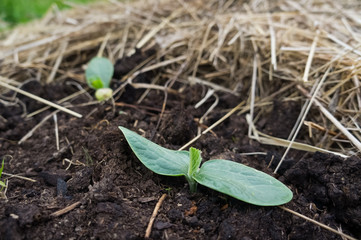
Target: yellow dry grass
{"type": "Point", "coordinates": [263, 49]}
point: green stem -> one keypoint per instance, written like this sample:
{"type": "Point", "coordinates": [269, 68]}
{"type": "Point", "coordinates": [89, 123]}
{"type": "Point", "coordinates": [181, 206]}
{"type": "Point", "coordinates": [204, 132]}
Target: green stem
{"type": "Point", "coordinates": [195, 160]}
{"type": "Point", "coordinates": [192, 184]}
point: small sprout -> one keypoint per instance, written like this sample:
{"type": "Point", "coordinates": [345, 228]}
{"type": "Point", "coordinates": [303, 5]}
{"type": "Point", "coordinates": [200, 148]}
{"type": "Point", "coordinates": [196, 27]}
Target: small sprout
{"type": "Point", "coordinates": [103, 94]}
{"type": "Point", "coordinates": [234, 179]}
{"type": "Point", "coordinates": [98, 75]}
{"type": "Point", "coordinates": [88, 158]}
{"type": "Point", "coordinates": [2, 183]}
{"type": "Point", "coordinates": [168, 190]}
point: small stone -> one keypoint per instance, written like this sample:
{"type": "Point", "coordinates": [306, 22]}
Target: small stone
{"type": "Point", "coordinates": [192, 221]}
{"type": "Point", "coordinates": [159, 225]}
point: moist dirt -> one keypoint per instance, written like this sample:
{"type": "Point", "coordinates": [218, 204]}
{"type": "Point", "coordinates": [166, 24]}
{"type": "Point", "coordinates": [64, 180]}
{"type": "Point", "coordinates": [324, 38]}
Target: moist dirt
{"type": "Point", "coordinates": [116, 194]}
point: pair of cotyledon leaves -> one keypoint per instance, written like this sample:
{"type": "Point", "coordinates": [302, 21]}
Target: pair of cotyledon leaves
{"type": "Point", "coordinates": [231, 178]}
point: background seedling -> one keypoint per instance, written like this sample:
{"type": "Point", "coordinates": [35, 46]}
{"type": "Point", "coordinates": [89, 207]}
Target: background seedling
{"type": "Point", "coordinates": [231, 178]}
{"type": "Point", "coordinates": [88, 158]}
{"type": "Point", "coordinates": [98, 75]}
{"type": "Point", "coordinates": [2, 183]}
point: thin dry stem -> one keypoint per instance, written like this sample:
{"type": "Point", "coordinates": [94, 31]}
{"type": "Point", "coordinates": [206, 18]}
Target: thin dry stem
{"type": "Point", "coordinates": [30, 133]}
{"type": "Point", "coordinates": [302, 119]}
{"type": "Point", "coordinates": [317, 223]}
{"type": "Point", "coordinates": [154, 215]}
{"type": "Point", "coordinates": [39, 99]}
{"type": "Point", "coordinates": [65, 210]}
{"type": "Point", "coordinates": [18, 176]}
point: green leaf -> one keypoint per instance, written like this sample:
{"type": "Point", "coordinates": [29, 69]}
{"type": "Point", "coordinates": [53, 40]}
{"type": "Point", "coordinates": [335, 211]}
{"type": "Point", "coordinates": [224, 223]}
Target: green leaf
{"type": "Point", "coordinates": [95, 83]}
{"type": "Point", "coordinates": [242, 182]}
{"type": "Point", "coordinates": [158, 159]}
{"type": "Point", "coordinates": [195, 161]}
{"type": "Point", "coordinates": [99, 73]}
{"type": "Point", "coordinates": [2, 184]}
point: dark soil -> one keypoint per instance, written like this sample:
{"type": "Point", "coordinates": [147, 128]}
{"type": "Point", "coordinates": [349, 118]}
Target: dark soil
{"type": "Point", "coordinates": [117, 193]}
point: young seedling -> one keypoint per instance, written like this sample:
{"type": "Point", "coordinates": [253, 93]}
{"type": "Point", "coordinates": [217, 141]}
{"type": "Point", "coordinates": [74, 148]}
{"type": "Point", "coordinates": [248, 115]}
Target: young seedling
{"type": "Point", "coordinates": [231, 178]}
{"type": "Point", "coordinates": [2, 183]}
{"type": "Point", "coordinates": [98, 75]}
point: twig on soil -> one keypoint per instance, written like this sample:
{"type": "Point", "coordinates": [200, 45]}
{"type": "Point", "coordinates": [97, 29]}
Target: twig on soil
{"type": "Point", "coordinates": [270, 140]}
{"type": "Point", "coordinates": [39, 99]}
{"type": "Point", "coordinates": [146, 92]}
{"type": "Point", "coordinates": [213, 125]}
{"type": "Point", "coordinates": [65, 210]}
{"type": "Point", "coordinates": [76, 163]}
{"type": "Point", "coordinates": [252, 153]}
{"type": "Point", "coordinates": [209, 93]}
{"type": "Point", "coordinates": [317, 223]}
{"type": "Point", "coordinates": [30, 133]}
{"type": "Point", "coordinates": [160, 64]}
{"type": "Point", "coordinates": [122, 104]}
{"type": "Point", "coordinates": [323, 129]}
{"type": "Point", "coordinates": [152, 218]}
{"type": "Point", "coordinates": [169, 85]}
{"type": "Point", "coordinates": [60, 101]}
{"type": "Point", "coordinates": [56, 131]}
{"type": "Point", "coordinates": [18, 176]}
{"type": "Point", "coordinates": [210, 109]}
{"type": "Point", "coordinates": [153, 86]}
{"type": "Point", "coordinates": [201, 125]}
{"type": "Point", "coordinates": [194, 80]}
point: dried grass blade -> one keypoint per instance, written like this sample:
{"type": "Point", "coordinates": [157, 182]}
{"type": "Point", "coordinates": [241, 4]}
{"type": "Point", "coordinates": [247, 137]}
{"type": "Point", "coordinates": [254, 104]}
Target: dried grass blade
{"type": "Point", "coordinates": [270, 140]}
{"type": "Point", "coordinates": [334, 120]}
{"type": "Point", "coordinates": [39, 99]}
{"type": "Point", "coordinates": [317, 223]}
{"type": "Point", "coordinates": [310, 57]}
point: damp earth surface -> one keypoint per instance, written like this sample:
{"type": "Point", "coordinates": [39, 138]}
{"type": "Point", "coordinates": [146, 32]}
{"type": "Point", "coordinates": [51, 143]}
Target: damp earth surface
{"type": "Point", "coordinates": [115, 194]}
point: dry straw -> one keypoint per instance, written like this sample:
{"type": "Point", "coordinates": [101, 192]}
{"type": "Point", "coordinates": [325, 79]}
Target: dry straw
{"type": "Point", "coordinates": [211, 43]}
{"type": "Point", "coordinates": [221, 45]}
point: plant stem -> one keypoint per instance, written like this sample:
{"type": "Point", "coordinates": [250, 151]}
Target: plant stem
{"type": "Point", "coordinates": [192, 184]}
{"type": "Point", "coordinates": [195, 160]}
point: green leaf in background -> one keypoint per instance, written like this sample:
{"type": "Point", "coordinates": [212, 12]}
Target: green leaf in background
{"type": "Point", "coordinates": [20, 11]}
{"type": "Point", "coordinates": [242, 182]}
{"type": "Point", "coordinates": [99, 69]}
{"type": "Point", "coordinates": [156, 158]}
